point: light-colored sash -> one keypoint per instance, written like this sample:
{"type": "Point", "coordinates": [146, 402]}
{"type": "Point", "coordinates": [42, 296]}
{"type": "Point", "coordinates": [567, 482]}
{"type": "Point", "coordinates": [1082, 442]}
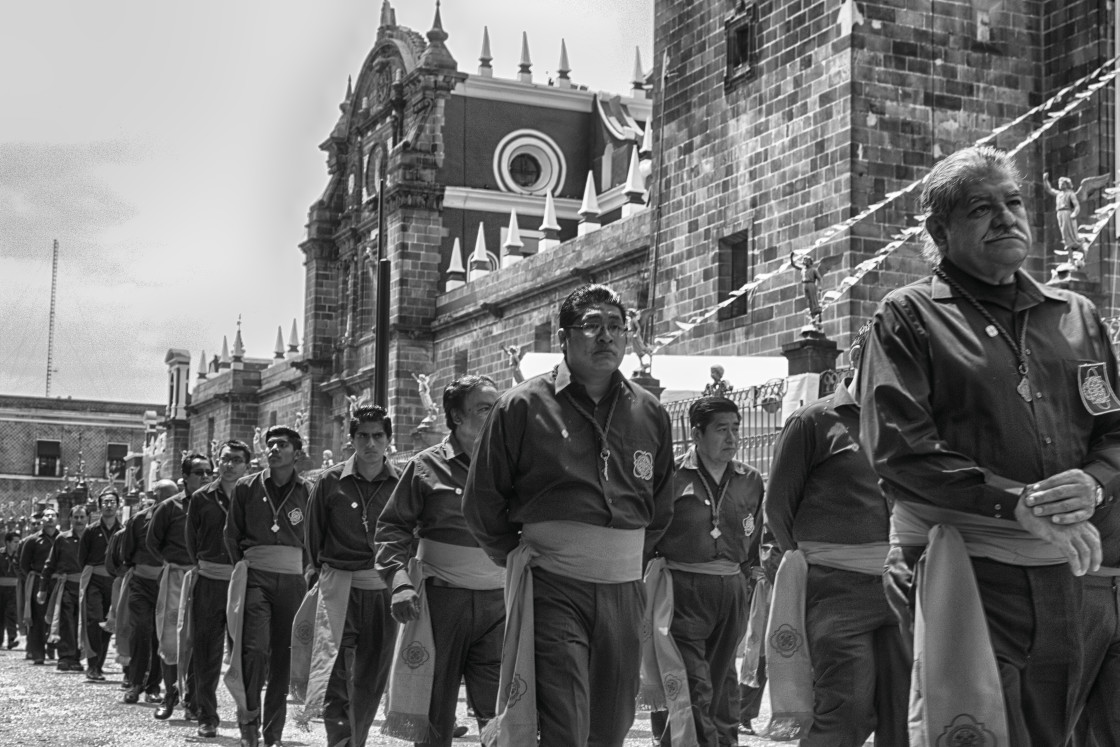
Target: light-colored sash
{"type": "Point", "coordinates": [184, 627]}
{"type": "Point", "coordinates": [664, 679]}
{"type": "Point", "coordinates": [788, 665]}
{"type": "Point", "coordinates": [54, 606]}
{"type": "Point", "coordinates": [716, 567]}
{"type": "Point", "coordinates": [83, 621]}
{"type": "Point", "coordinates": [984, 537]}
{"type": "Point", "coordinates": [29, 585]}
{"type": "Point", "coordinates": [755, 640]}
{"type": "Point", "coordinates": [869, 559]}
{"type": "Point", "coordinates": [413, 668]}
{"type": "Point", "coordinates": [214, 571]}
{"type": "Point", "coordinates": [572, 549]}
{"type": "Point", "coordinates": [167, 611]}
{"type": "Point", "coordinates": [10, 582]}
{"type": "Point", "coordinates": [1106, 572]}
{"type": "Point", "coordinates": [148, 572]}
{"type": "Point", "coordinates": [123, 621]}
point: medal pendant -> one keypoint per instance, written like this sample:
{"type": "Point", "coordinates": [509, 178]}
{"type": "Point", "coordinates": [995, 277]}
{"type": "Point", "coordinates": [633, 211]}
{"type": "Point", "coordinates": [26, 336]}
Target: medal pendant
{"type": "Point", "coordinates": [605, 455]}
{"type": "Point", "coordinates": [715, 533]}
{"type": "Point", "coordinates": [991, 330]}
{"type": "Point", "coordinates": [275, 527]}
{"type": "Point", "coordinates": [1024, 389]}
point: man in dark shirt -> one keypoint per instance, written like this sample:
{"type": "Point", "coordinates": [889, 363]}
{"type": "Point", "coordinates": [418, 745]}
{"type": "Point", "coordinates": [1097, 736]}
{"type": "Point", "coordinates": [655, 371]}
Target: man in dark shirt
{"type": "Point", "coordinates": [461, 586]}
{"type": "Point", "coordinates": [33, 555]}
{"type": "Point", "coordinates": [61, 584]}
{"type": "Point", "coordinates": [264, 536]}
{"type": "Point", "coordinates": [573, 477]}
{"type": "Point", "coordinates": [205, 541]}
{"type": "Point", "coordinates": [990, 416]}
{"type": "Point", "coordinates": [708, 551]}
{"type": "Point", "coordinates": [96, 592]}
{"type": "Point", "coordinates": [9, 587]}
{"type": "Point", "coordinates": [167, 541]}
{"type": "Point", "coordinates": [342, 517]}
{"type": "Point", "coordinates": [142, 593]}
{"type": "Point", "coordinates": [823, 501]}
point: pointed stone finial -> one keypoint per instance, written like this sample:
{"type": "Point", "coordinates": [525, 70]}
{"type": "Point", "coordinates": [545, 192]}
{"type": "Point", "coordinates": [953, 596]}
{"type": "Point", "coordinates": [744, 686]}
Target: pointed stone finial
{"type": "Point", "coordinates": [512, 247]}
{"type": "Point", "coordinates": [388, 15]}
{"type": "Point", "coordinates": [589, 208]}
{"type": "Point", "coordinates": [485, 57]}
{"type": "Point", "coordinates": [224, 361]}
{"type": "Point", "coordinates": [349, 88]}
{"type": "Point", "coordinates": [525, 67]}
{"type": "Point", "coordinates": [435, 55]}
{"type": "Point", "coordinates": [293, 341]}
{"type": "Point", "coordinates": [639, 81]}
{"type": "Point", "coordinates": [238, 347]}
{"type": "Point", "coordinates": [635, 190]}
{"type": "Point", "coordinates": [203, 366]}
{"type": "Point", "coordinates": [480, 262]}
{"type": "Point", "coordinates": [456, 273]}
{"type": "Point", "coordinates": [549, 226]}
{"type": "Point", "coordinates": [278, 351]}
{"type": "Point", "coordinates": [562, 70]}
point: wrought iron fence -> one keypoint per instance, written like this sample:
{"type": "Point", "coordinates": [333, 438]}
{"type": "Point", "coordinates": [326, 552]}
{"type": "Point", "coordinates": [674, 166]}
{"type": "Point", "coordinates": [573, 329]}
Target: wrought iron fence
{"type": "Point", "coordinates": [1112, 324]}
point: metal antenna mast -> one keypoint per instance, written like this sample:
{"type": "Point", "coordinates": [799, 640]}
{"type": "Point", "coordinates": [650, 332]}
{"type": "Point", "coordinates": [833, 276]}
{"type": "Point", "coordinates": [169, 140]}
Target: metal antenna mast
{"type": "Point", "coordinates": [50, 333]}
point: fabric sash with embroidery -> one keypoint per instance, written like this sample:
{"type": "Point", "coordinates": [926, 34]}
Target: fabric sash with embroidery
{"type": "Point", "coordinates": [122, 621]}
{"type": "Point", "coordinates": [184, 627]}
{"type": "Point", "coordinates": [664, 679]}
{"type": "Point", "coordinates": [754, 643]}
{"type": "Point", "coordinates": [83, 621]}
{"type": "Point", "coordinates": [54, 606]}
{"type": "Point", "coordinates": [167, 611]}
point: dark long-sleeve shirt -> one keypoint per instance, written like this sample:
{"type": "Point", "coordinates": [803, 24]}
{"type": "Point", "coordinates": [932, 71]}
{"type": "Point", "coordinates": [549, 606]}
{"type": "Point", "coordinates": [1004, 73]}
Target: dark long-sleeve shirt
{"type": "Point", "coordinates": [342, 515]}
{"type": "Point", "coordinates": [427, 503]}
{"type": "Point", "coordinates": [206, 524]}
{"type": "Point", "coordinates": [738, 504]}
{"type": "Point", "coordinates": [9, 565]}
{"type": "Point", "coordinates": [34, 551]}
{"type": "Point", "coordinates": [167, 531]}
{"type": "Point", "coordinates": [822, 487]}
{"type": "Point", "coordinates": [95, 542]}
{"type": "Point", "coordinates": [941, 415]}
{"type": "Point", "coordinates": [63, 559]}
{"type": "Point", "coordinates": [256, 504]}
{"type": "Point", "coordinates": [134, 541]}
{"type": "Point", "coordinates": [538, 459]}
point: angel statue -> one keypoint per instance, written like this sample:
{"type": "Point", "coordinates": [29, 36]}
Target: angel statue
{"type": "Point", "coordinates": [638, 343]}
{"type": "Point", "coordinates": [424, 384]}
{"type": "Point", "coordinates": [514, 356]}
{"type": "Point", "coordinates": [1067, 203]}
{"type": "Point", "coordinates": [258, 441]}
{"type": "Point", "coordinates": [810, 285]}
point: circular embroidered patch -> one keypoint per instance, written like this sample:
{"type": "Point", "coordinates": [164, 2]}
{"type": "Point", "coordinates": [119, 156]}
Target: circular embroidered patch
{"type": "Point", "coordinates": [295, 516]}
{"type": "Point", "coordinates": [643, 465]}
{"type": "Point", "coordinates": [965, 731]}
{"type": "Point", "coordinates": [786, 640]}
{"type": "Point", "coordinates": [672, 687]}
{"type": "Point", "coordinates": [517, 690]}
{"type": "Point", "coordinates": [415, 655]}
{"type": "Point", "coordinates": [304, 632]}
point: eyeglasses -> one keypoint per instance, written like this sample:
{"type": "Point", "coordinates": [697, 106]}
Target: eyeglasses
{"type": "Point", "coordinates": [231, 460]}
{"type": "Point", "coordinates": [201, 472]}
{"type": "Point", "coordinates": [591, 330]}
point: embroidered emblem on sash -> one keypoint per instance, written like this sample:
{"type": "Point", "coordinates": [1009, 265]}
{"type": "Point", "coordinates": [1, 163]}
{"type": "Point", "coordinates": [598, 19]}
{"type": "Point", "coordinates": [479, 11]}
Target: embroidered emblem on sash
{"type": "Point", "coordinates": [672, 687]}
{"type": "Point", "coordinates": [304, 632]}
{"type": "Point", "coordinates": [295, 516]}
{"type": "Point", "coordinates": [643, 465]}
{"type": "Point", "coordinates": [786, 640]}
{"type": "Point", "coordinates": [748, 526]}
{"type": "Point", "coordinates": [966, 732]}
{"type": "Point", "coordinates": [517, 690]}
{"type": "Point", "coordinates": [415, 655]}
{"type": "Point", "coordinates": [1096, 392]}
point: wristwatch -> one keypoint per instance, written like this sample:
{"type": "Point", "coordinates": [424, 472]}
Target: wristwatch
{"type": "Point", "coordinates": [1098, 495]}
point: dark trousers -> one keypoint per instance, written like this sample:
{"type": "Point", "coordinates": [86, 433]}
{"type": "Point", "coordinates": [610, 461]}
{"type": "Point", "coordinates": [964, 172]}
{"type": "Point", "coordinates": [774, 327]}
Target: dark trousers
{"type": "Point", "coordinates": [208, 609]}
{"type": "Point", "coordinates": [1033, 624]}
{"type": "Point", "coordinates": [1099, 722]}
{"type": "Point", "coordinates": [750, 697]}
{"type": "Point", "coordinates": [709, 620]}
{"type": "Point", "coordinates": [37, 629]}
{"type": "Point", "coordinates": [861, 666]}
{"type": "Point", "coordinates": [467, 630]}
{"type": "Point", "coordinates": [68, 647]}
{"type": "Point", "coordinates": [9, 615]}
{"type": "Point", "coordinates": [143, 665]}
{"type": "Point", "coordinates": [361, 670]}
{"type": "Point", "coordinates": [271, 602]}
{"type": "Point", "coordinates": [99, 595]}
{"type": "Point", "coordinates": [587, 639]}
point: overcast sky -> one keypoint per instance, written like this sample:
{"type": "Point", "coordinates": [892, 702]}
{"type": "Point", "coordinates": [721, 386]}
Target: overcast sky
{"type": "Point", "coordinates": [172, 149]}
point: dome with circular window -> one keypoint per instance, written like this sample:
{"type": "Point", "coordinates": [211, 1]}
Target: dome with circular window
{"type": "Point", "coordinates": [529, 162]}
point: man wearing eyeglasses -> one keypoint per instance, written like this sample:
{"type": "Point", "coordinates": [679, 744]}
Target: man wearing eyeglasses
{"type": "Point", "coordinates": [167, 540]}
{"type": "Point", "coordinates": [96, 585]}
{"type": "Point", "coordinates": [570, 489]}
{"type": "Point", "coordinates": [206, 597]}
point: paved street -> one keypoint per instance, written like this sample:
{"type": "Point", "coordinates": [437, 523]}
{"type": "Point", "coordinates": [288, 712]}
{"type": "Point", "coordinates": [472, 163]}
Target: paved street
{"type": "Point", "coordinates": [42, 706]}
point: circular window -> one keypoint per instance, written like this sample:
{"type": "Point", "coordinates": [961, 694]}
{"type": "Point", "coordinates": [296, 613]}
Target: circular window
{"type": "Point", "coordinates": [529, 162]}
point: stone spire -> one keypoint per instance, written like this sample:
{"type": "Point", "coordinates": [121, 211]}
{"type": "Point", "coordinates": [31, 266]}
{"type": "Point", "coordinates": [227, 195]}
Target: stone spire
{"type": "Point", "coordinates": [238, 348]}
{"type": "Point", "coordinates": [513, 246]}
{"type": "Point", "coordinates": [224, 361]}
{"type": "Point", "coordinates": [203, 367]}
{"type": "Point", "coordinates": [589, 208]}
{"type": "Point", "coordinates": [456, 273]}
{"type": "Point", "coordinates": [549, 227]}
{"type": "Point", "coordinates": [293, 342]}
{"type": "Point", "coordinates": [480, 263]}
{"type": "Point", "coordinates": [388, 15]}
{"type": "Point", "coordinates": [635, 190]}
{"type": "Point", "coordinates": [485, 57]}
{"type": "Point", "coordinates": [562, 70]}
{"type": "Point", "coordinates": [435, 54]}
{"type": "Point", "coordinates": [278, 351]}
{"type": "Point", "coordinates": [349, 88]}
{"type": "Point", "coordinates": [639, 81]}
{"type": "Point", "coordinates": [524, 68]}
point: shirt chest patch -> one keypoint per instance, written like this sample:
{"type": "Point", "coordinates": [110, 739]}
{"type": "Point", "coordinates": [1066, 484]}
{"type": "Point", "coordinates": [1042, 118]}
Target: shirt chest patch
{"type": "Point", "coordinates": [643, 465]}
{"type": "Point", "coordinates": [295, 516]}
{"type": "Point", "coordinates": [748, 526]}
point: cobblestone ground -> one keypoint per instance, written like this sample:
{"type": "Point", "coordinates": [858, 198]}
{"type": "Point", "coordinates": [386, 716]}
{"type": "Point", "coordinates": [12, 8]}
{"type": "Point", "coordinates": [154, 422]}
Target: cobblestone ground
{"type": "Point", "coordinates": [42, 706]}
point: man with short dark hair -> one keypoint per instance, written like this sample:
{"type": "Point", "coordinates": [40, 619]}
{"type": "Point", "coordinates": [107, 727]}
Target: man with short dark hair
{"type": "Point", "coordinates": [96, 586]}
{"type": "Point", "coordinates": [9, 587]}
{"type": "Point", "coordinates": [33, 555]}
{"type": "Point", "coordinates": [447, 593]}
{"type": "Point", "coordinates": [342, 518]}
{"type": "Point", "coordinates": [264, 536]}
{"type": "Point", "coordinates": [61, 583]}
{"type": "Point", "coordinates": [167, 541]}
{"type": "Point", "coordinates": [205, 595]}
{"type": "Point", "coordinates": [990, 415]}
{"type": "Point", "coordinates": [571, 488]}
{"type": "Point", "coordinates": [699, 581]}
